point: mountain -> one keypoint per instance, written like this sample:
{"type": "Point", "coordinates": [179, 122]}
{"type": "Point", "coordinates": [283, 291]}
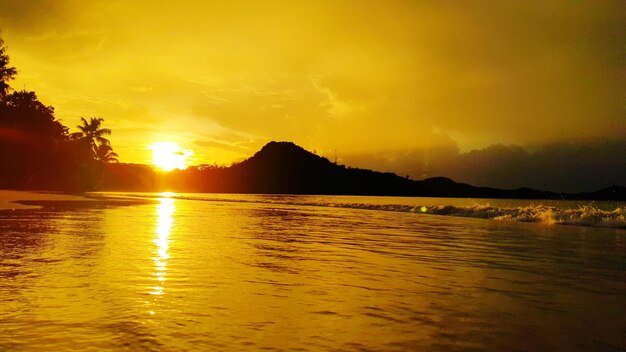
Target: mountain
{"type": "Point", "coordinates": [616, 193]}
{"type": "Point", "coordinates": [285, 168]}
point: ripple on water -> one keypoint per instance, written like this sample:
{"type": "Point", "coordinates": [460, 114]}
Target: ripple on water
{"type": "Point", "coordinates": [196, 275]}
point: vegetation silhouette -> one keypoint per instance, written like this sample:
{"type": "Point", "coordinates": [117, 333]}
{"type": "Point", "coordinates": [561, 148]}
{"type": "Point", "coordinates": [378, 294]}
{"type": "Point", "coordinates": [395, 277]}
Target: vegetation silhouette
{"type": "Point", "coordinates": [105, 154]}
{"type": "Point", "coordinates": [37, 151]}
{"type": "Point", "coordinates": [7, 72]}
{"type": "Point", "coordinates": [285, 168]}
{"type": "Point", "coordinates": [93, 132]}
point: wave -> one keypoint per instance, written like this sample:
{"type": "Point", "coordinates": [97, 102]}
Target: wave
{"type": "Point", "coordinates": [582, 216]}
{"type": "Point", "coordinates": [586, 215]}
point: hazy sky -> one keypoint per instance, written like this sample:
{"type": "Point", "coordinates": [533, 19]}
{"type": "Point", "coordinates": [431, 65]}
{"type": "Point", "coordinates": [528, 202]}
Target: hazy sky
{"type": "Point", "coordinates": [379, 81]}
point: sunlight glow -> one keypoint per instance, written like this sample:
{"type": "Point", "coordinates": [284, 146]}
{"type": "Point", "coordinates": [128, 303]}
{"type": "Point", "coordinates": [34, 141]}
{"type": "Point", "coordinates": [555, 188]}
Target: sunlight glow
{"type": "Point", "coordinates": [168, 156]}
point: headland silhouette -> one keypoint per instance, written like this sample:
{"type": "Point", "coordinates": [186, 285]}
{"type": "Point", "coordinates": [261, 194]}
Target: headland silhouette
{"type": "Point", "coordinates": [285, 168]}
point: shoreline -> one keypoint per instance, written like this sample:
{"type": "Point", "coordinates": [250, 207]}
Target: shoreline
{"type": "Point", "coordinates": [25, 200]}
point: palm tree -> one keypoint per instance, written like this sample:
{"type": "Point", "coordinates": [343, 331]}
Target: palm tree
{"type": "Point", "coordinates": [91, 132]}
{"type": "Point", "coordinates": [97, 152]}
{"type": "Point", "coordinates": [105, 154]}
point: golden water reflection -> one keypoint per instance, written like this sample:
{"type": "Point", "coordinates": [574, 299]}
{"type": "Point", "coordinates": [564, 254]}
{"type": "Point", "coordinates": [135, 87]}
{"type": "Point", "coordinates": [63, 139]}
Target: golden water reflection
{"type": "Point", "coordinates": [183, 275]}
{"type": "Point", "coordinates": [165, 211]}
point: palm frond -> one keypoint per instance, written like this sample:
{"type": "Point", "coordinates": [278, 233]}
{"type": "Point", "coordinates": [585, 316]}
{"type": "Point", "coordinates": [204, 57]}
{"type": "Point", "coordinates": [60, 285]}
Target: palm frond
{"type": "Point", "coordinates": [102, 140]}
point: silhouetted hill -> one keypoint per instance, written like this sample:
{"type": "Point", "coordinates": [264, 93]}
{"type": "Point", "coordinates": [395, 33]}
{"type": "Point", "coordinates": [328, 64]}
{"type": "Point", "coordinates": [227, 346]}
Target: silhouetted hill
{"type": "Point", "coordinates": [285, 168]}
{"type": "Point", "coordinates": [614, 192]}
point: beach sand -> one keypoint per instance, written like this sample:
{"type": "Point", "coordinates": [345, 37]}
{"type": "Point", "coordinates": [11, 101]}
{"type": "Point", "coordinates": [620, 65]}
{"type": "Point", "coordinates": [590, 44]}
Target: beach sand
{"type": "Point", "coordinates": [14, 200]}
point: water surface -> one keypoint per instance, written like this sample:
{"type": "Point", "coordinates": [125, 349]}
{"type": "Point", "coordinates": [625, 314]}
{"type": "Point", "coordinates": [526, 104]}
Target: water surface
{"type": "Point", "coordinates": [278, 273]}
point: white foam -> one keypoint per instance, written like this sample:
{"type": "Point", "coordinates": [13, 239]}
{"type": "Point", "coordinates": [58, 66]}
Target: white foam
{"type": "Point", "coordinates": [582, 216]}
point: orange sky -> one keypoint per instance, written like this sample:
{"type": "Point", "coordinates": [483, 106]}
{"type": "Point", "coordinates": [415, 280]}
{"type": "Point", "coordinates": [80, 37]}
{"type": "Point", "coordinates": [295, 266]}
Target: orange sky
{"type": "Point", "coordinates": [376, 78]}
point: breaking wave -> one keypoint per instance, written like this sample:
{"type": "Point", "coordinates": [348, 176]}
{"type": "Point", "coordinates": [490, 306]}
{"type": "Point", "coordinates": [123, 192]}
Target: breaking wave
{"type": "Point", "coordinates": [581, 216]}
{"type": "Point", "coordinates": [584, 215]}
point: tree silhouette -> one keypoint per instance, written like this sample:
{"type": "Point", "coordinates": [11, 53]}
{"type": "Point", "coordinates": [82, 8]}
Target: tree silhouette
{"type": "Point", "coordinates": [37, 151]}
{"type": "Point", "coordinates": [29, 140]}
{"type": "Point", "coordinates": [23, 110]}
{"type": "Point", "coordinates": [92, 131]}
{"type": "Point", "coordinates": [105, 154]}
{"type": "Point", "coordinates": [7, 72]}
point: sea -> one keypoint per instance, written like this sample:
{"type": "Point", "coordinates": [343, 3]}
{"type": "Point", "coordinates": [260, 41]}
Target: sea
{"type": "Point", "coordinates": [226, 272]}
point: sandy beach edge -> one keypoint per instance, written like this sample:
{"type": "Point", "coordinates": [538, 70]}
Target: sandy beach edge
{"type": "Point", "coordinates": [18, 200]}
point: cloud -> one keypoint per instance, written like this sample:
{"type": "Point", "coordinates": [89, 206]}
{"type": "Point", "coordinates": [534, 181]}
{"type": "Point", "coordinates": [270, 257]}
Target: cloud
{"type": "Point", "coordinates": [573, 166]}
{"type": "Point", "coordinates": [370, 79]}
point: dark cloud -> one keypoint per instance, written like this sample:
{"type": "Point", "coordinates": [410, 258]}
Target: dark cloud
{"type": "Point", "coordinates": [563, 167]}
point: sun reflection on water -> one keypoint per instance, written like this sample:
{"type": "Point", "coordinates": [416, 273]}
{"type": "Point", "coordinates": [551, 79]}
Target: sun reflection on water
{"type": "Point", "coordinates": [165, 210]}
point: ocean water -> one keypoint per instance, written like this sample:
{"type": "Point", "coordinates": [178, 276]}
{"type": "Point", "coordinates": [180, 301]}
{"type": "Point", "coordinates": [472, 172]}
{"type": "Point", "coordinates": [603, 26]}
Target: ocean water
{"type": "Point", "coordinates": [206, 272]}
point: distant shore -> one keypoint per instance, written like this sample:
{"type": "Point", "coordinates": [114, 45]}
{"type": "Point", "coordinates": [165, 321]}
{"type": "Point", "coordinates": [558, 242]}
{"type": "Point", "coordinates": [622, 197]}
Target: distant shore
{"type": "Point", "coordinates": [18, 200]}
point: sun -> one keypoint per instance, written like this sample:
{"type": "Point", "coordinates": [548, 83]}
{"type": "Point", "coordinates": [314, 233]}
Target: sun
{"type": "Point", "coordinates": [168, 156]}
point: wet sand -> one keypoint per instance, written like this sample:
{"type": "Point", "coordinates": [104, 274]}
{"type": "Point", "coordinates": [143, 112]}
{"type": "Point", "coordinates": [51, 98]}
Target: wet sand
{"type": "Point", "coordinates": [14, 200]}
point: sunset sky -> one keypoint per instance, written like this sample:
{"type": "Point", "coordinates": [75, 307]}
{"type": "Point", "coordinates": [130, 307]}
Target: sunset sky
{"type": "Point", "coordinates": [416, 87]}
